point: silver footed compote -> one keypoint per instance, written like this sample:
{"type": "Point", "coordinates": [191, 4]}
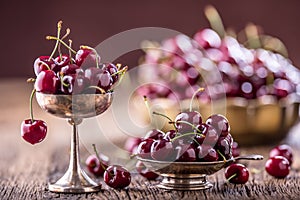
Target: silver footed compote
{"type": "Point", "coordinates": [74, 108]}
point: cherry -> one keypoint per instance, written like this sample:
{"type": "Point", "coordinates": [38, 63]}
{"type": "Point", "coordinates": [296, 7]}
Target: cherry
{"type": "Point", "coordinates": [112, 69]}
{"type": "Point", "coordinates": [61, 61]}
{"type": "Point", "coordinates": [33, 131]}
{"type": "Point", "coordinates": [170, 135]}
{"type": "Point", "coordinates": [43, 63]}
{"type": "Point", "coordinates": [210, 134]}
{"type": "Point", "coordinates": [92, 73]}
{"type": "Point", "coordinates": [237, 174]}
{"type": "Point", "coordinates": [278, 166]}
{"type": "Point", "coordinates": [47, 82]}
{"type": "Point", "coordinates": [185, 153]}
{"type": "Point", "coordinates": [105, 80]}
{"type": "Point", "coordinates": [206, 153]}
{"type": "Point", "coordinates": [162, 150]}
{"type": "Point", "coordinates": [145, 172]}
{"type": "Point", "coordinates": [224, 146]}
{"type": "Point", "coordinates": [69, 69]}
{"type": "Point", "coordinates": [192, 117]}
{"type": "Point", "coordinates": [220, 123]}
{"type": "Point", "coordinates": [283, 150]}
{"type": "Point", "coordinates": [117, 177]}
{"type": "Point", "coordinates": [144, 148]}
{"type": "Point", "coordinates": [96, 166]}
{"type": "Point", "coordinates": [207, 38]}
{"type": "Point", "coordinates": [235, 149]}
{"type": "Point", "coordinates": [86, 57]}
{"type": "Point", "coordinates": [73, 84]}
{"type": "Point", "coordinates": [155, 134]}
{"type": "Point", "coordinates": [132, 144]}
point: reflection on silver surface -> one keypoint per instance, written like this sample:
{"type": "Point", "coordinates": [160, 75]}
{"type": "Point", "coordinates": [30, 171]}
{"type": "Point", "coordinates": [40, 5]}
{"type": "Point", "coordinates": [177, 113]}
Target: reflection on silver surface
{"type": "Point", "coordinates": [189, 175]}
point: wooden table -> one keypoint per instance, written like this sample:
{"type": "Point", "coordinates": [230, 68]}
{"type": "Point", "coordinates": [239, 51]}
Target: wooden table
{"type": "Point", "coordinates": [25, 169]}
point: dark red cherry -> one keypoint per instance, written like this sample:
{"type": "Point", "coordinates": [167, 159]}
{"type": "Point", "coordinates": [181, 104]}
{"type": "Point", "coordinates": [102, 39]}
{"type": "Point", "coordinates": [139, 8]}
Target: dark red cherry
{"type": "Point", "coordinates": [220, 123]}
{"type": "Point", "coordinates": [237, 174]}
{"type": "Point", "coordinates": [95, 166]}
{"type": "Point", "coordinates": [144, 148]}
{"type": "Point", "coordinates": [86, 58]}
{"type": "Point", "coordinates": [235, 149]}
{"type": "Point", "coordinates": [47, 82]}
{"type": "Point", "coordinates": [61, 61]}
{"type": "Point", "coordinates": [92, 74]}
{"type": "Point", "coordinates": [207, 38]}
{"type": "Point", "coordinates": [145, 172]}
{"type": "Point", "coordinates": [210, 134]}
{"type": "Point", "coordinates": [283, 150]}
{"type": "Point", "coordinates": [112, 69]}
{"type": "Point", "coordinates": [69, 69]}
{"type": "Point", "coordinates": [224, 146]}
{"type": "Point", "coordinates": [132, 144]}
{"type": "Point", "coordinates": [155, 134]}
{"type": "Point", "coordinates": [117, 177]}
{"type": "Point", "coordinates": [73, 84]}
{"type": "Point", "coordinates": [278, 166]}
{"type": "Point", "coordinates": [33, 131]}
{"type": "Point", "coordinates": [192, 117]}
{"type": "Point", "coordinates": [162, 150]}
{"type": "Point", "coordinates": [170, 135]}
{"type": "Point", "coordinates": [185, 153]}
{"type": "Point", "coordinates": [206, 153]}
{"type": "Point", "coordinates": [43, 63]}
{"type": "Point", "coordinates": [105, 80]}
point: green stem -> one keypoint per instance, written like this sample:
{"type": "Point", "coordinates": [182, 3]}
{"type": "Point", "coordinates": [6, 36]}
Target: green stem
{"type": "Point", "coordinates": [97, 88]}
{"type": "Point", "coordinates": [190, 133]}
{"type": "Point", "coordinates": [231, 177]}
{"type": "Point", "coordinates": [57, 39]}
{"type": "Point", "coordinates": [62, 82]}
{"type": "Point", "coordinates": [165, 116]}
{"type": "Point", "coordinates": [193, 97]}
{"type": "Point", "coordinates": [224, 159]}
{"type": "Point", "coordinates": [30, 106]}
{"type": "Point", "coordinates": [70, 53]}
{"type": "Point", "coordinates": [188, 123]}
{"type": "Point", "coordinates": [59, 44]}
{"type": "Point", "coordinates": [94, 50]}
{"type": "Point", "coordinates": [122, 71]}
{"type": "Point", "coordinates": [215, 20]}
{"type": "Point", "coordinates": [56, 44]}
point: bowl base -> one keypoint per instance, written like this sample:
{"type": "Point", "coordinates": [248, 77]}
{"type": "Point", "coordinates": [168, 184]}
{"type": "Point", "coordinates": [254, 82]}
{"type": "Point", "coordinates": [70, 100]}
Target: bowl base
{"type": "Point", "coordinates": [184, 183]}
{"type": "Point", "coordinates": [71, 189]}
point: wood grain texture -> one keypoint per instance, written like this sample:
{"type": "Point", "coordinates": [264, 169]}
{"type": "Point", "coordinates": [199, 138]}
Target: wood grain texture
{"type": "Point", "coordinates": [25, 170]}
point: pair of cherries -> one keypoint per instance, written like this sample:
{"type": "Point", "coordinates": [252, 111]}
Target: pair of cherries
{"type": "Point", "coordinates": [114, 176]}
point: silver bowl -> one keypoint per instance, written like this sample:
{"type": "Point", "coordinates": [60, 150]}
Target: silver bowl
{"type": "Point", "coordinates": [189, 175]}
{"type": "Point", "coordinates": [74, 108]}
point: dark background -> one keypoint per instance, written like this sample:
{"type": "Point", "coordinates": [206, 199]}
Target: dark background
{"type": "Point", "coordinates": [24, 24]}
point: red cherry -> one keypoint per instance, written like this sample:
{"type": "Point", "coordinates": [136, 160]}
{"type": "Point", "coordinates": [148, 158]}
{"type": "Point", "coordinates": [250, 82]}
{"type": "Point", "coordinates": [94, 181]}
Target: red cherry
{"type": "Point", "coordinates": [206, 153]}
{"type": "Point", "coordinates": [278, 166]}
{"type": "Point", "coordinates": [144, 148]}
{"type": "Point", "coordinates": [192, 117]}
{"type": "Point", "coordinates": [86, 58]}
{"type": "Point", "coordinates": [283, 150]}
{"type": "Point", "coordinates": [162, 150]}
{"type": "Point", "coordinates": [155, 134]}
{"type": "Point", "coordinates": [145, 172]}
{"type": "Point", "coordinates": [185, 153]}
{"type": "Point", "coordinates": [208, 38]}
{"type": "Point", "coordinates": [117, 177]}
{"type": "Point", "coordinates": [47, 82]}
{"type": "Point", "coordinates": [220, 123]}
{"type": "Point", "coordinates": [33, 131]}
{"type": "Point", "coordinates": [235, 149]}
{"type": "Point", "coordinates": [43, 63]}
{"type": "Point", "coordinates": [61, 62]}
{"type": "Point", "coordinates": [237, 174]}
{"type": "Point", "coordinates": [74, 84]}
{"type": "Point", "coordinates": [69, 69]}
{"type": "Point", "coordinates": [95, 166]}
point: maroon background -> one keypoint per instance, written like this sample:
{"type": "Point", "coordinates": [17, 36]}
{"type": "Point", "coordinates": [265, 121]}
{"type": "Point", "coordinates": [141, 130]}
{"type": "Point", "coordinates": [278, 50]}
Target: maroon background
{"type": "Point", "coordinates": [24, 24]}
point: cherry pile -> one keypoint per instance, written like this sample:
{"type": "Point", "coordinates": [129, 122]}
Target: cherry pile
{"type": "Point", "coordinates": [191, 140]}
{"type": "Point", "coordinates": [114, 176]}
{"type": "Point", "coordinates": [280, 161]}
{"type": "Point", "coordinates": [180, 65]}
{"type": "Point", "coordinates": [78, 72]}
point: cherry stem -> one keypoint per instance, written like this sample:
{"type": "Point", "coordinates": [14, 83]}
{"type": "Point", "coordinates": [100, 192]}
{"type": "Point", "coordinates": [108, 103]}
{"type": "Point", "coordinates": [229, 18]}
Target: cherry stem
{"type": "Point", "coordinates": [56, 44]}
{"type": "Point", "coordinates": [147, 106]}
{"type": "Point", "coordinates": [122, 71]}
{"type": "Point", "coordinates": [61, 80]}
{"type": "Point", "coordinates": [98, 88]}
{"type": "Point", "coordinates": [231, 177]}
{"type": "Point", "coordinates": [94, 50]}
{"type": "Point", "coordinates": [118, 65]}
{"type": "Point", "coordinates": [70, 53]}
{"type": "Point", "coordinates": [30, 80]}
{"type": "Point", "coordinates": [190, 133]}
{"type": "Point", "coordinates": [59, 44]}
{"type": "Point", "coordinates": [188, 123]}
{"type": "Point", "coordinates": [193, 97]}
{"type": "Point", "coordinates": [30, 106]}
{"type": "Point", "coordinates": [165, 116]}
{"type": "Point", "coordinates": [252, 36]}
{"type": "Point", "coordinates": [97, 155]}
{"type": "Point", "coordinates": [215, 20]}
{"type": "Point", "coordinates": [122, 75]}
{"type": "Point", "coordinates": [57, 39]}
{"type": "Point", "coordinates": [224, 159]}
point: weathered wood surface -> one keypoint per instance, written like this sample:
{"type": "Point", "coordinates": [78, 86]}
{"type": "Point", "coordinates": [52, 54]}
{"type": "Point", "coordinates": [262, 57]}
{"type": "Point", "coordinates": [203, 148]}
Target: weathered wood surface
{"type": "Point", "coordinates": [25, 170]}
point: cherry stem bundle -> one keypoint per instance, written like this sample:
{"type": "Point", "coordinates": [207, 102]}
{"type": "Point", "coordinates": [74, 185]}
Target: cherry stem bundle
{"type": "Point", "coordinates": [62, 42]}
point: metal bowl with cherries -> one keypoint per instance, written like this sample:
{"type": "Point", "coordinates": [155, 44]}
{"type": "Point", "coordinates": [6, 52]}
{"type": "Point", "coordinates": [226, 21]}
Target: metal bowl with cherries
{"type": "Point", "coordinates": [257, 89]}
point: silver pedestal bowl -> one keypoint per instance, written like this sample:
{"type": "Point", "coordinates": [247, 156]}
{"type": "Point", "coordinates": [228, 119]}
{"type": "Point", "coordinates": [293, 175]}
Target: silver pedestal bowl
{"type": "Point", "coordinates": [74, 108]}
{"type": "Point", "coordinates": [189, 175]}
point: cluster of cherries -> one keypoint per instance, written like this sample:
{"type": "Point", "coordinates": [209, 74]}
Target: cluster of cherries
{"type": "Point", "coordinates": [180, 62]}
{"type": "Point", "coordinates": [114, 176]}
{"type": "Point", "coordinates": [67, 75]}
